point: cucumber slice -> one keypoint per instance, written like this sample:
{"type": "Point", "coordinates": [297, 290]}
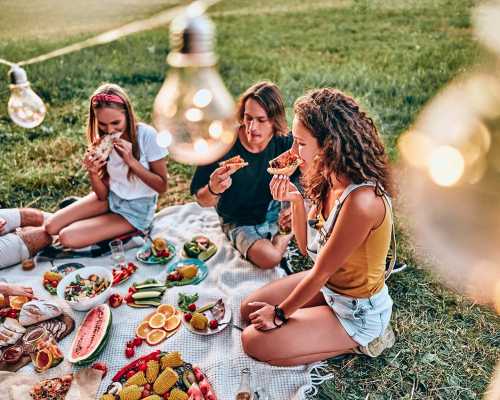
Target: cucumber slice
{"type": "Point", "coordinates": [147, 295]}
{"type": "Point", "coordinates": [149, 302]}
{"type": "Point", "coordinates": [205, 255]}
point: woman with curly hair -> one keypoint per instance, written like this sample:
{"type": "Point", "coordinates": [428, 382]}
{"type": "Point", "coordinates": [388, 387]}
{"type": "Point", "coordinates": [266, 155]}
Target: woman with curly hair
{"type": "Point", "coordinates": [342, 304]}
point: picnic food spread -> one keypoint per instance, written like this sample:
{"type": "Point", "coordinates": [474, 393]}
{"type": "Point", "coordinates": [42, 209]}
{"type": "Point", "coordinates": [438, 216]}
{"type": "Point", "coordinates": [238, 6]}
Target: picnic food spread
{"type": "Point", "coordinates": [82, 289]}
{"type": "Point", "coordinates": [285, 164]}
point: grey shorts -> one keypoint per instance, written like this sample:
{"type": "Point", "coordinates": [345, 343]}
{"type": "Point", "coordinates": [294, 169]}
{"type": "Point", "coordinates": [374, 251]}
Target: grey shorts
{"type": "Point", "coordinates": [138, 212]}
{"type": "Point", "coordinates": [363, 319]}
{"type": "Point", "coordinates": [244, 236]}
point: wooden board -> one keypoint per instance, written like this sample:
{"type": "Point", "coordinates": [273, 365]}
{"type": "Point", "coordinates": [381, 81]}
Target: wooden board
{"type": "Point", "coordinates": [69, 325]}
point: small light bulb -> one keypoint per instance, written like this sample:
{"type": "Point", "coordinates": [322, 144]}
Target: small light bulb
{"type": "Point", "coordinates": [446, 165]}
{"type": "Point", "coordinates": [25, 108]}
{"type": "Point", "coordinates": [164, 139]}
{"type": "Point", "coordinates": [193, 103]}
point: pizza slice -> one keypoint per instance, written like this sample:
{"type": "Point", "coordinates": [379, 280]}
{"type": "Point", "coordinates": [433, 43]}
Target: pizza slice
{"type": "Point", "coordinates": [285, 164]}
{"type": "Point", "coordinates": [235, 163]}
{"type": "Point", "coordinates": [104, 147]}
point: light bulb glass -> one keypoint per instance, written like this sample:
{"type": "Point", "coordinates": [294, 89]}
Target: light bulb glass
{"type": "Point", "coordinates": [25, 108]}
{"type": "Point", "coordinates": [452, 186]}
{"type": "Point", "coordinates": [198, 111]}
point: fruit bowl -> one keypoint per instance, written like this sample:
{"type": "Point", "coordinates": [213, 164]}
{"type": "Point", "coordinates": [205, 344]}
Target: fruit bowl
{"type": "Point", "coordinates": [89, 302]}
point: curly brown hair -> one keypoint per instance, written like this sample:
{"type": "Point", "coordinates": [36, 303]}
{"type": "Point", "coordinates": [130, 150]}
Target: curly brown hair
{"type": "Point", "coordinates": [349, 141]}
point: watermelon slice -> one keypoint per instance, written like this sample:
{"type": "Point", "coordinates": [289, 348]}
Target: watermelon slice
{"type": "Point", "coordinates": [92, 336]}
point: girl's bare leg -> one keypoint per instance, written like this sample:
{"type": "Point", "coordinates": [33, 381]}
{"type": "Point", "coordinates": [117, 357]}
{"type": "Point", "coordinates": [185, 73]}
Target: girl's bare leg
{"type": "Point", "coordinates": [88, 231]}
{"type": "Point", "coordinates": [277, 291]}
{"type": "Point", "coordinates": [312, 334]}
{"type": "Point", "coordinates": [35, 238]}
{"type": "Point", "coordinates": [89, 206]}
{"type": "Point", "coordinates": [31, 217]}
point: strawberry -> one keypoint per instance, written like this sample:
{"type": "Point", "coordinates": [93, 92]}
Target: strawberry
{"type": "Point", "coordinates": [192, 307]}
{"type": "Point", "coordinates": [129, 352]}
{"type": "Point", "coordinates": [137, 341]}
{"type": "Point", "coordinates": [213, 324]}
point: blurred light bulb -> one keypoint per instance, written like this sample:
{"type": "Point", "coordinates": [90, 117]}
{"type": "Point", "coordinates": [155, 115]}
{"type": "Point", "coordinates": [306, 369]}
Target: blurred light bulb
{"type": "Point", "coordinates": [164, 139]}
{"type": "Point", "coordinates": [452, 187]}
{"type": "Point", "coordinates": [193, 97]}
{"type": "Point", "coordinates": [25, 108]}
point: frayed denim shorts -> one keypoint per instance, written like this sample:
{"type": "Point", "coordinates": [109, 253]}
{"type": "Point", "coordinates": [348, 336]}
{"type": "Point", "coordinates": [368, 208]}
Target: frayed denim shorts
{"type": "Point", "coordinates": [244, 236]}
{"type": "Point", "coordinates": [363, 319]}
{"type": "Point", "coordinates": [138, 212]}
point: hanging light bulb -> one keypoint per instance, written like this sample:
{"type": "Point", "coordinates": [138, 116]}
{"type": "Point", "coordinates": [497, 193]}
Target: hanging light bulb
{"type": "Point", "coordinates": [194, 112]}
{"type": "Point", "coordinates": [25, 108]}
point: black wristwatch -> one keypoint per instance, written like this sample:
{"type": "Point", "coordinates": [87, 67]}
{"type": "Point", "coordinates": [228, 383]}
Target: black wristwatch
{"type": "Point", "coordinates": [280, 315]}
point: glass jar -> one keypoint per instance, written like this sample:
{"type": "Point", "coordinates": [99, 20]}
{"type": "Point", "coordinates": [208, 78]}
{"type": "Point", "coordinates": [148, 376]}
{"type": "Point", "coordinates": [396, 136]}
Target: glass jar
{"type": "Point", "coordinates": [42, 348]}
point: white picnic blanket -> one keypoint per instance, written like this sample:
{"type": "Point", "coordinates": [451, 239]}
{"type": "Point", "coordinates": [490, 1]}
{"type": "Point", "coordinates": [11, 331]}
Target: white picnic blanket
{"type": "Point", "coordinates": [230, 276]}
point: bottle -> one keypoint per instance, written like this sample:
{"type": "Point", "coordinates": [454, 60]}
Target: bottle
{"type": "Point", "coordinates": [244, 392]}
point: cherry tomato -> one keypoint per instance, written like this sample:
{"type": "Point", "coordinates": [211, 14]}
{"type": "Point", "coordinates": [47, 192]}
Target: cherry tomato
{"type": "Point", "coordinates": [192, 307]}
{"type": "Point", "coordinates": [137, 341]}
{"type": "Point", "coordinates": [129, 352]}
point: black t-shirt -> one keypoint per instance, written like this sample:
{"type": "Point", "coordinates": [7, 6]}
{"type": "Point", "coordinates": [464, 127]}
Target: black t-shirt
{"type": "Point", "coordinates": [246, 201]}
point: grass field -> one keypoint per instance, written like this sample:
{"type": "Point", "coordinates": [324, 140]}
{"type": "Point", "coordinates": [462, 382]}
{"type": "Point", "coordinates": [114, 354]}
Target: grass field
{"type": "Point", "coordinates": [392, 55]}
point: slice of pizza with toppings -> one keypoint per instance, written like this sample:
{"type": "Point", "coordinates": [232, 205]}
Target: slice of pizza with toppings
{"type": "Point", "coordinates": [285, 164]}
{"type": "Point", "coordinates": [235, 163]}
{"type": "Point", "coordinates": [104, 147]}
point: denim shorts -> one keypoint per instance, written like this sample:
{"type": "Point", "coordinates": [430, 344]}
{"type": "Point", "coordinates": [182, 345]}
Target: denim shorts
{"type": "Point", "coordinates": [138, 212]}
{"type": "Point", "coordinates": [363, 319]}
{"type": "Point", "coordinates": [244, 236]}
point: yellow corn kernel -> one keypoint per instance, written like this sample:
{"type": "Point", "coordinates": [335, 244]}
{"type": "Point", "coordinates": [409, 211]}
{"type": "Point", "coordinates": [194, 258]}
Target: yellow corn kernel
{"type": "Point", "coordinates": [107, 397]}
{"type": "Point", "coordinates": [132, 392]}
{"type": "Point", "coordinates": [165, 381]}
{"type": "Point", "coordinates": [177, 394]}
{"type": "Point", "coordinates": [172, 359]}
{"type": "Point", "coordinates": [199, 321]}
{"type": "Point", "coordinates": [137, 379]}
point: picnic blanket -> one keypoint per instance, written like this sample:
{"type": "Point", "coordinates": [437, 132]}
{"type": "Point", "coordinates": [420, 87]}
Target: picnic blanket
{"type": "Point", "coordinates": [221, 355]}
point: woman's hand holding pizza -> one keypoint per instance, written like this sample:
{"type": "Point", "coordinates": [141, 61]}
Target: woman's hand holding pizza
{"type": "Point", "coordinates": [282, 189]}
{"type": "Point", "coordinates": [93, 164]}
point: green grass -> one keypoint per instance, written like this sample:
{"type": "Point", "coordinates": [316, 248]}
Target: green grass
{"type": "Point", "coordinates": [392, 55]}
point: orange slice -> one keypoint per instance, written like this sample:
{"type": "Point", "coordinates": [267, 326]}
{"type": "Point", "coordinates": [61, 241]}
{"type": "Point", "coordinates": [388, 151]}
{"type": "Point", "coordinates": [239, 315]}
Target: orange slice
{"type": "Point", "coordinates": [172, 323]}
{"type": "Point", "coordinates": [143, 329]}
{"type": "Point", "coordinates": [157, 320]}
{"type": "Point", "coordinates": [156, 336]}
{"type": "Point", "coordinates": [166, 309]}
{"type": "Point", "coordinates": [16, 302]}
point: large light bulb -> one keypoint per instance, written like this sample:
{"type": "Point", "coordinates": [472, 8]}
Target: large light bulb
{"type": "Point", "coordinates": [452, 157]}
{"type": "Point", "coordinates": [25, 108]}
{"type": "Point", "coordinates": [194, 112]}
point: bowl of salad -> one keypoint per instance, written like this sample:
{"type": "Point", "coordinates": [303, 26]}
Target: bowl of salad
{"type": "Point", "coordinates": [86, 288]}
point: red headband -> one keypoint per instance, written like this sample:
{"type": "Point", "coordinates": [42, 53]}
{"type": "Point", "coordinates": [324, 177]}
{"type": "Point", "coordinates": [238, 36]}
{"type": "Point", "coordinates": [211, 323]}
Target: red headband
{"type": "Point", "coordinates": [107, 98]}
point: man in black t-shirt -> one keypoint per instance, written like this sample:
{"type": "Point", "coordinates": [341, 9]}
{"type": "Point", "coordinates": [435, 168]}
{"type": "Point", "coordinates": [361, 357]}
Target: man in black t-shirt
{"type": "Point", "coordinates": [241, 195]}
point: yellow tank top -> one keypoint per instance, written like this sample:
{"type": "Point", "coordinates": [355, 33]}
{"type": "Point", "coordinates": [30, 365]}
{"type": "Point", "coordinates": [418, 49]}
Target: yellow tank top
{"type": "Point", "coordinates": [363, 273]}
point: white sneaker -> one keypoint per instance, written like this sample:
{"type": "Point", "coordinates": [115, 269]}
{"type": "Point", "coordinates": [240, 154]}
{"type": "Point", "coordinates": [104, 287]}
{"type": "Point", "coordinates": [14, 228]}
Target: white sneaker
{"type": "Point", "coordinates": [378, 345]}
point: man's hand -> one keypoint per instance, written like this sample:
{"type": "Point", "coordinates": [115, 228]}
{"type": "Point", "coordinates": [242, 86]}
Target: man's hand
{"type": "Point", "coordinates": [15, 290]}
{"type": "Point", "coordinates": [220, 180]}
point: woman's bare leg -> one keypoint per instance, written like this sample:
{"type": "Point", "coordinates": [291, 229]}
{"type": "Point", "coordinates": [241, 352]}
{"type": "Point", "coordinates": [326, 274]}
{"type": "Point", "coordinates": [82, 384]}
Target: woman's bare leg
{"type": "Point", "coordinates": [277, 291]}
{"type": "Point", "coordinates": [31, 217]}
{"type": "Point", "coordinates": [311, 334]}
{"type": "Point", "coordinates": [92, 230]}
{"type": "Point", "coordinates": [87, 207]}
{"type": "Point", "coordinates": [35, 238]}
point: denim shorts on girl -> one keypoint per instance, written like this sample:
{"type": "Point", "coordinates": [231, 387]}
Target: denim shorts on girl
{"type": "Point", "coordinates": [363, 319]}
{"type": "Point", "coordinates": [138, 212]}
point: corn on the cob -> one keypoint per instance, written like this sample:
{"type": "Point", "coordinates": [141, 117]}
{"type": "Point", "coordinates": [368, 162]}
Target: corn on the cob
{"type": "Point", "coordinates": [177, 394]}
{"type": "Point", "coordinates": [152, 371]}
{"type": "Point", "coordinates": [172, 359]}
{"type": "Point", "coordinates": [199, 321]}
{"type": "Point", "coordinates": [137, 379]}
{"type": "Point", "coordinates": [132, 392]}
{"type": "Point", "coordinates": [165, 381]}
{"type": "Point", "coordinates": [107, 397]}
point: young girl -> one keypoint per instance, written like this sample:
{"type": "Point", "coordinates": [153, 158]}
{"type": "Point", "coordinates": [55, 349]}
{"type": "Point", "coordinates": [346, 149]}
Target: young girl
{"type": "Point", "coordinates": [342, 304]}
{"type": "Point", "coordinates": [125, 185]}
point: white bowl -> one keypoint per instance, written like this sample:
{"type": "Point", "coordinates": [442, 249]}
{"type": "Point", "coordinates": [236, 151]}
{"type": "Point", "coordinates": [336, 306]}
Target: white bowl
{"type": "Point", "coordinates": [85, 305]}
